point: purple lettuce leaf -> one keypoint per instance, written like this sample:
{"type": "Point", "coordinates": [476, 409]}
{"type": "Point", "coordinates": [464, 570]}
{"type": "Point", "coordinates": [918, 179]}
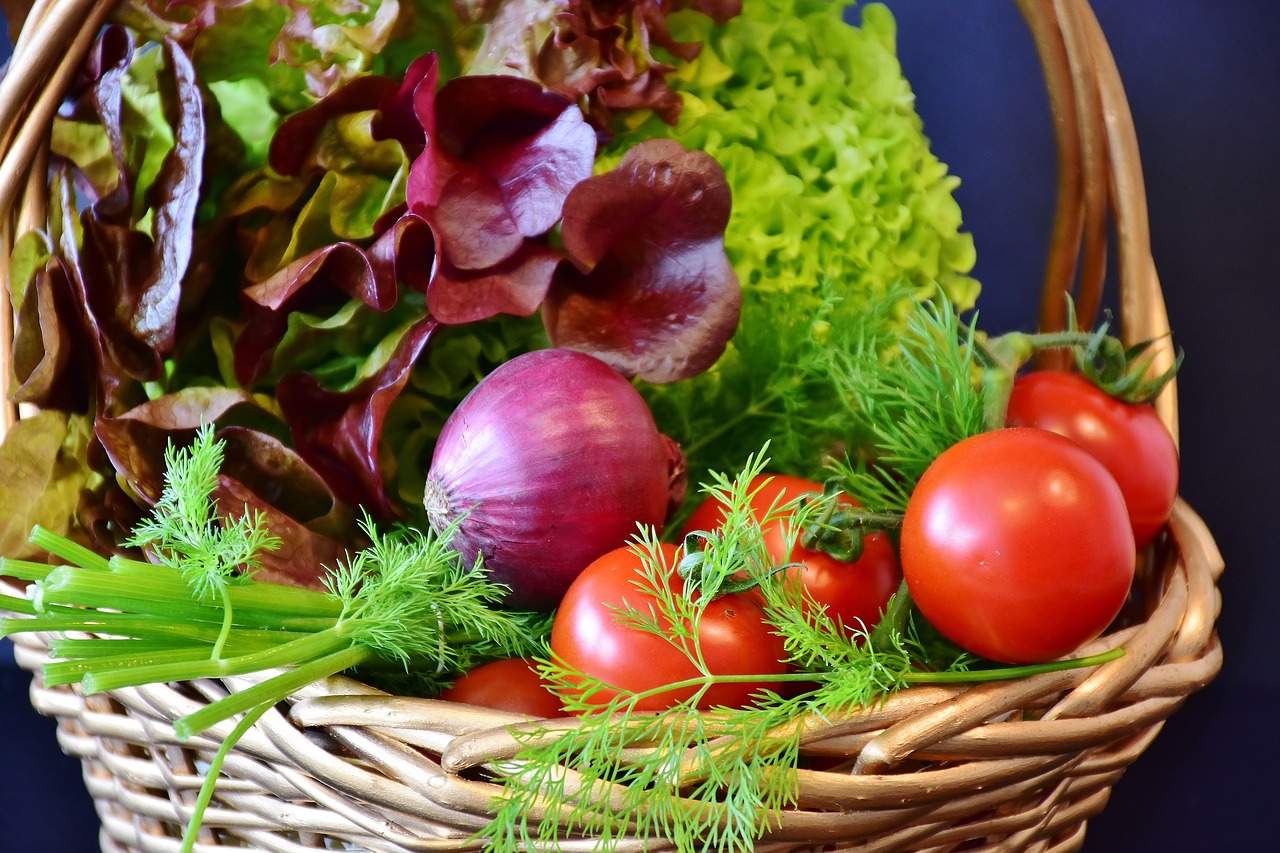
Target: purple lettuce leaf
{"type": "Point", "coordinates": [135, 441]}
{"type": "Point", "coordinates": [598, 53]}
{"type": "Point", "coordinates": [651, 290]}
{"type": "Point", "coordinates": [127, 281]}
{"type": "Point", "coordinates": [405, 250]}
{"type": "Point", "coordinates": [338, 269]}
{"type": "Point", "coordinates": [259, 472]}
{"type": "Point", "coordinates": [491, 180]}
{"type": "Point", "coordinates": [296, 138]}
{"type": "Point", "coordinates": [307, 557]}
{"type": "Point", "coordinates": [338, 432]}
{"type": "Point", "coordinates": [52, 367]}
{"type": "Point", "coordinates": [515, 286]}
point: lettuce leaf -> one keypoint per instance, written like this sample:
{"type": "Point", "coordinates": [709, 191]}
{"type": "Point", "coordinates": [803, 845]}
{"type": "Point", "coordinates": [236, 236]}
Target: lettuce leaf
{"type": "Point", "coordinates": [45, 465]}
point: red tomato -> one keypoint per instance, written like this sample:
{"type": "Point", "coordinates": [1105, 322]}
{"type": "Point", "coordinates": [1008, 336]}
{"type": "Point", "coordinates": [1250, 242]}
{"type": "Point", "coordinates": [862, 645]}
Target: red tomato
{"type": "Point", "coordinates": [1130, 440]}
{"type": "Point", "coordinates": [733, 635]}
{"type": "Point", "coordinates": [506, 685]}
{"type": "Point", "coordinates": [853, 593]}
{"type": "Point", "coordinates": [1016, 545]}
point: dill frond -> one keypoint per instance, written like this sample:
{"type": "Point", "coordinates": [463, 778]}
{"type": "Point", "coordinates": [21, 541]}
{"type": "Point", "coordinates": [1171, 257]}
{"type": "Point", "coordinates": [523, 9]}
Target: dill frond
{"type": "Point", "coordinates": [915, 400]}
{"type": "Point", "coordinates": [186, 531]}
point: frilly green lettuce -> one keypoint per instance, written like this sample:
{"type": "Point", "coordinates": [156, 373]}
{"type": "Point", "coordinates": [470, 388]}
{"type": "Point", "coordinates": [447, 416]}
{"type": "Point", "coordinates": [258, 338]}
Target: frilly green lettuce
{"type": "Point", "coordinates": [838, 203]}
{"type": "Point", "coordinates": [831, 172]}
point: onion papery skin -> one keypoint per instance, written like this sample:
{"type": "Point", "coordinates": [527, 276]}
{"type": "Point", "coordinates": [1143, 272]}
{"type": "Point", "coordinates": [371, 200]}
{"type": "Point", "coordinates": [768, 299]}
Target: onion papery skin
{"type": "Point", "coordinates": [550, 462]}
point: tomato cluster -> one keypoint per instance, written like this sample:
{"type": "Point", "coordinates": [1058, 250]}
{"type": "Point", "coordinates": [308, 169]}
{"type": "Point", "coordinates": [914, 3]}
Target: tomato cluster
{"type": "Point", "coordinates": [851, 592]}
{"type": "Point", "coordinates": [1019, 545]}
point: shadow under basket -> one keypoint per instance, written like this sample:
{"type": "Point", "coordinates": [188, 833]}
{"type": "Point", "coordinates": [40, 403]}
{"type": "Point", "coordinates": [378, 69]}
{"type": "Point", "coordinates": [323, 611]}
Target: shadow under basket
{"type": "Point", "coordinates": [1017, 765]}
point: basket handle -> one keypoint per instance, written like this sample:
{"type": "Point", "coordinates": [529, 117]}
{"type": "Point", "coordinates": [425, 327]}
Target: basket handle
{"type": "Point", "coordinates": [1099, 175]}
{"type": "Point", "coordinates": [1100, 172]}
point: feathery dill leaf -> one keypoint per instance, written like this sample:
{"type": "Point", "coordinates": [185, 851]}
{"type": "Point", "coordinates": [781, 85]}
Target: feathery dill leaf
{"type": "Point", "coordinates": [777, 382]}
{"type": "Point", "coordinates": [916, 399]}
{"type": "Point", "coordinates": [186, 532]}
{"type": "Point", "coordinates": [408, 597]}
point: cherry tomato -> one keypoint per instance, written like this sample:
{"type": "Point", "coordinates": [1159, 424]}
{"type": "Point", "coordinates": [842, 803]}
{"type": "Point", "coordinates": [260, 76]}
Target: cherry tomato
{"type": "Point", "coordinates": [512, 685]}
{"type": "Point", "coordinates": [1016, 545]}
{"type": "Point", "coordinates": [733, 636]}
{"type": "Point", "coordinates": [852, 593]}
{"type": "Point", "coordinates": [1130, 440]}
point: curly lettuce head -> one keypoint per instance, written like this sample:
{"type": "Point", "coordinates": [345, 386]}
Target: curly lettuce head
{"type": "Point", "coordinates": [831, 172]}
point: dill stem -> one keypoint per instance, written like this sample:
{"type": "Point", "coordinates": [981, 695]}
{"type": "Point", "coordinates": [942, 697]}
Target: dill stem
{"type": "Point", "coordinates": [893, 621]}
{"type": "Point", "coordinates": [13, 604]}
{"type": "Point", "coordinates": [254, 595]}
{"type": "Point", "coordinates": [227, 612]}
{"type": "Point", "coordinates": [138, 626]}
{"type": "Point", "coordinates": [305, 648]}
{"type": "Point", "coordinates": [1004, 673]}
{"type": "Point", "coordinates": [272, 690]}
{"type": "Point", "coordinates": [155, 594]}
{"type": "Point", "coordinates": [25, 570]}
{"type": "Point", "coordinates": [239, 642]}
{"type": "Point", "coordinates": [758, 408]}
{"type": "Point", "coordinates": [1009, 673]}
{"type": "Point", "coordinates": [72, 671]}
{"type": "Point", "coordinates": [707, 681]}
{"type": "Point", "coordinates": [215, 768]}
{"type": "Point", "coordinates": [64, 549]}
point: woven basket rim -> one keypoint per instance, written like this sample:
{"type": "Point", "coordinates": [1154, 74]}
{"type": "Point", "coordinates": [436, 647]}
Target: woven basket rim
{"type": "Point", "coordinates": [929, 767]}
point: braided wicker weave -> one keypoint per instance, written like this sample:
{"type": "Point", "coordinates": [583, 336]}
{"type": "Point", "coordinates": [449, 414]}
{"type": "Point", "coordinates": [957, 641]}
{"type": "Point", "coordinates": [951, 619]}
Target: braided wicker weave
{"type": "Point", "coordinates": [1006, 766]}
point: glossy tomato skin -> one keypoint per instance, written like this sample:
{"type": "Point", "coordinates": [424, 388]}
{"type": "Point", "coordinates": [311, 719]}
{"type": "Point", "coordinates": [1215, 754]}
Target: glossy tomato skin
{"type": "Point", "coordinates": [735, 638]}
{"type": "Point", "coordinates": [853, 593]}
{"type": "Point", "coordinates": [512, 684]}
{"type": "Point", "coordinates": [1129, 440]}
{"type": "Point", "coordinates": [1016, 545]}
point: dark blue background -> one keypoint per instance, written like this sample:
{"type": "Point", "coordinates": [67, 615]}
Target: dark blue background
{"type": "Point", "coordinates": [1203, 78]}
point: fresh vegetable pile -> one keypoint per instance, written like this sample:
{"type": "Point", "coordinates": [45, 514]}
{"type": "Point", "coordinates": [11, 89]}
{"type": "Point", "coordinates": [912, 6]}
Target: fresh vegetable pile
{"type": "Point", "coordinates": [585, 359]}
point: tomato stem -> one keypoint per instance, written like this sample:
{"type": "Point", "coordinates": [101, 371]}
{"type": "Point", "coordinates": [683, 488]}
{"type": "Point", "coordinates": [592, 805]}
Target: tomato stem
{"type": "Point", "coordinates": [1123, 372]}
{"type": "Point", "coordinates": [840, 529]}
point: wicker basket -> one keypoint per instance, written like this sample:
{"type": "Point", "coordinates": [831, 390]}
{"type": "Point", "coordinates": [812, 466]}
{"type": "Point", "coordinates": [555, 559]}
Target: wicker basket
{"type": "Point", "coordinates": [1008, 766]}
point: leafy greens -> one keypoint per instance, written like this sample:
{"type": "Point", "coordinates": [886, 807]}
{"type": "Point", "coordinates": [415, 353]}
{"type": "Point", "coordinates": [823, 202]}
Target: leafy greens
{"type": "Point", "coordinates": [839, 207]}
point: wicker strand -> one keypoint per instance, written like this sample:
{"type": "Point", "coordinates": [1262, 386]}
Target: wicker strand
{"type": "Point", "coordinates": [49, 45]}
{"type": "Point", "coordinates": [1096, 168]}
{"type": "Point", "coordinates": [1068, 224]}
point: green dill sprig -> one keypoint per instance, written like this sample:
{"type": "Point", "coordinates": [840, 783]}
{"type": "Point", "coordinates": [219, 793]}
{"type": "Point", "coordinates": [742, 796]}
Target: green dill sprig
{"type": "Point", "coordinates": [186, 530]}
{"type": "Point", "coordinates": [776, 380]}
{"type": "Point", "coordinates": [408, 597]}
{"type": "Point", "coordinates": [916, 398]}
{"type": "Point", "coordinates": [732, 557]}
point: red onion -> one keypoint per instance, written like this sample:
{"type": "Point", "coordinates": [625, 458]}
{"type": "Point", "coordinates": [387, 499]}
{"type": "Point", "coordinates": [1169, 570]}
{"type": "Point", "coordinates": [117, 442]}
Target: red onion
{"type": "Point", "coordinates": [553, 459]}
